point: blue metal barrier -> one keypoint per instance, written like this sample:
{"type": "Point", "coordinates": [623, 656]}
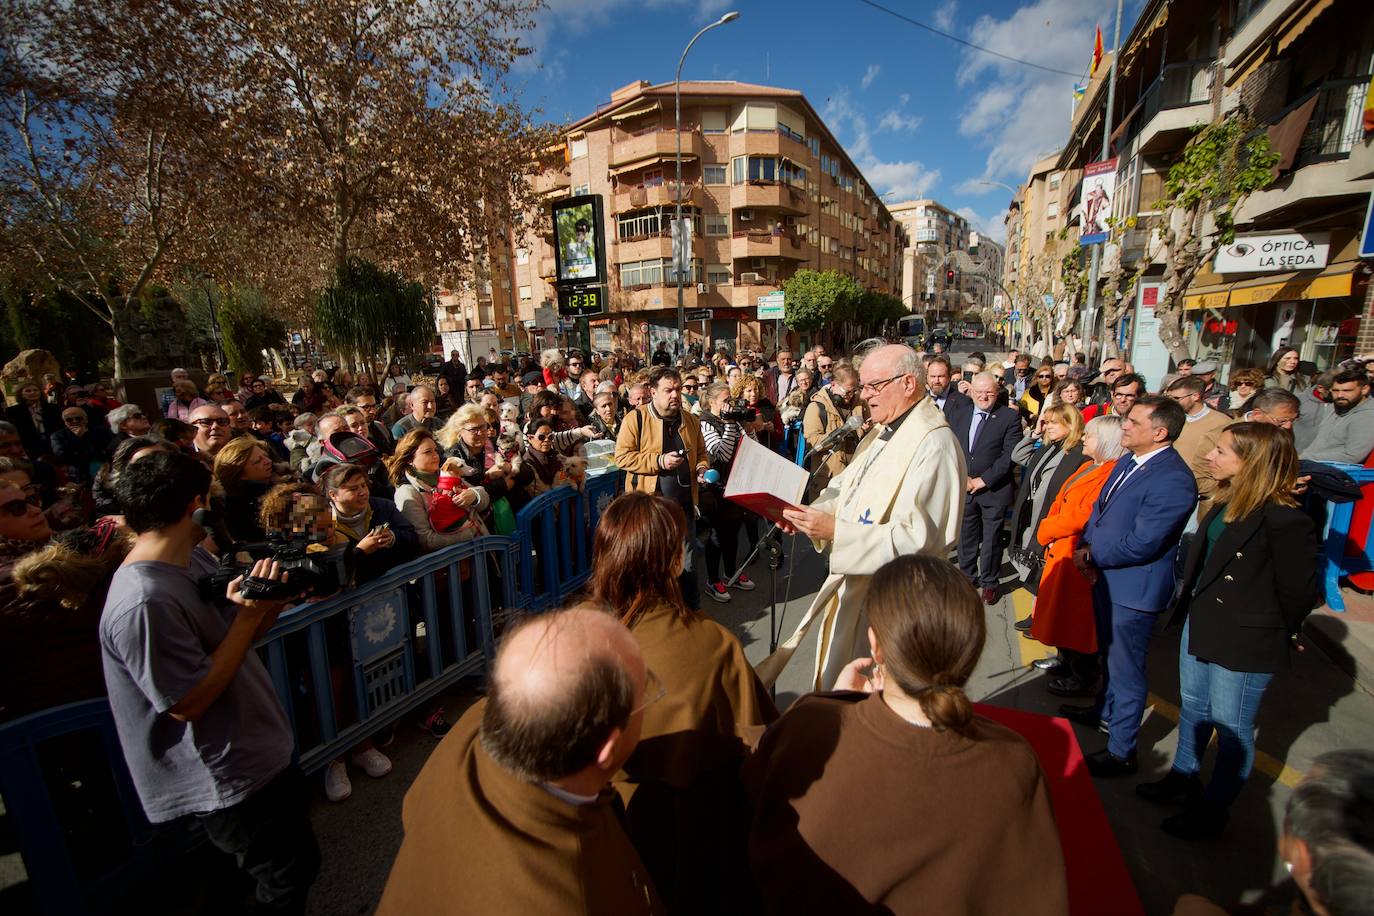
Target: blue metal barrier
{"type": "Point", "coordinates": [366, 638]}
{"type": "Point", "coordinates": [1334, 562]}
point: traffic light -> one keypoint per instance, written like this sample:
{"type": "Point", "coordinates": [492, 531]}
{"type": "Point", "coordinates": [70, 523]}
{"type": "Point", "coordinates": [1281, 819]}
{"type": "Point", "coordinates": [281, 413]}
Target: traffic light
{"type": "Point", "coordinates": [949, 277]}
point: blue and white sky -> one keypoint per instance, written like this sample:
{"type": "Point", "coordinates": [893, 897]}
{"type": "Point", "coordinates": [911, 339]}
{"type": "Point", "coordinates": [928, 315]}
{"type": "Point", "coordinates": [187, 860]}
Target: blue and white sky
{"type": "Point", "coordinates": [921, 115]}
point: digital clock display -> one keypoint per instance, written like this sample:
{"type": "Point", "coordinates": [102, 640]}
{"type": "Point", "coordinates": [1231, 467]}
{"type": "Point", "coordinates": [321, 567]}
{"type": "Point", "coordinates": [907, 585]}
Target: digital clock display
{"type": "Point", "coordinates": [574, 302]}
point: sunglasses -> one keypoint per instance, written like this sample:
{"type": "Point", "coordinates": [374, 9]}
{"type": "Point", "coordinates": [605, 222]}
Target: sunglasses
{"type": "Point", "coordinates": [207, 422]}
{"type": "Point", "coordinates": [540, 438]}
{"type": "Point", "coordinates": [1044, 376]}
{"type": "Point", "coordinates": [20, 507]}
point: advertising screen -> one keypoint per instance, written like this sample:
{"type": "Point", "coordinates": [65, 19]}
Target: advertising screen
{"type": "Point", "coordinates": [578, 237]}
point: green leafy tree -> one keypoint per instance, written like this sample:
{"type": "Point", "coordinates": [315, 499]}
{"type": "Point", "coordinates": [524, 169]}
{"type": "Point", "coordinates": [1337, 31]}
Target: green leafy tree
{"type": "Point", "coordinates": [55, 321]}
{"type": "Point", "coordinates": [817, 299]}
{"type": "Point", "coordinates": [368, 310]}
{"type": "Point", "coordinates": [248, 323]}
{"type": "Point", "coordinates": [1222, 165]}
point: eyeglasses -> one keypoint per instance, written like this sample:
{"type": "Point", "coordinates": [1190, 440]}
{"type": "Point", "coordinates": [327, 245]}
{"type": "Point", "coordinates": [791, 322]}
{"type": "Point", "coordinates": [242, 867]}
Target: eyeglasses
{"type": "Point", "coordinates": [74, 421]}
{"type": "Point", "coordinates": [207, 422]}
{"type": "Point", "coordinates": [541, 438]}
{"type": "Point", "coordinates": [1038, 377]}
{"type": "Point", "coordinates": [689, 387]}
{"type": "Point", "coordinates": [654, 690]}
{"type": "Point", "coordinates": [477, 429]}
{"type": "Point", "coordinates": [823, 366]}
{"type": "Point", "coordinates": [19, 507]}
{"type": "Point", "coordinates": [877, 387]}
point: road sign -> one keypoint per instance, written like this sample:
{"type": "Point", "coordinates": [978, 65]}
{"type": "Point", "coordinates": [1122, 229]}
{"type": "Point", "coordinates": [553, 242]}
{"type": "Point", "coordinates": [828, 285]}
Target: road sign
{"type": "Point", "coordinates": [699, 315]}
{"type": "Point", "coordinates": [1367, 239]}
{"type": "Point", "coordinates": [1015, 315]}
{"type": "Point", "coordinates": [644, 327]}
{"type": "Point", "coordinates": [771, 306]}
{"type": "Point", "coordinates": [1049, 301]}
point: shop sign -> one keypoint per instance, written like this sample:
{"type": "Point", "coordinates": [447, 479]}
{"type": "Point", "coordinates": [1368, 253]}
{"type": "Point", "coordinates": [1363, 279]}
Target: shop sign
{"type": "Point", "coordinates": [1273, 253]}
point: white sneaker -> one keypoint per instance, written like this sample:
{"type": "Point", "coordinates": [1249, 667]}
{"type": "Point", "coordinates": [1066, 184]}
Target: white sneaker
{"type": "Point", "coordinates": [718, 591]}
{"type": "Point", "coordinates": [336, 784]}
{"type": "Point", "coordinates": [744, 583]}
{"type": "Point", "coordinates": [372, 762]}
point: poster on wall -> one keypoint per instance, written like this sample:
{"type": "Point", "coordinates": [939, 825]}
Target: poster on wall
{"type": "Point", "coordinates": [1099, 189]}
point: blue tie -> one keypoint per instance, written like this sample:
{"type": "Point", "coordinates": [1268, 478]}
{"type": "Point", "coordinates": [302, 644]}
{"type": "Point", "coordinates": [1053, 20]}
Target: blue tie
{"type": "Point", "coordinates": [975, 427]}
{"type": "Point", "coordinates": [1130, 469]}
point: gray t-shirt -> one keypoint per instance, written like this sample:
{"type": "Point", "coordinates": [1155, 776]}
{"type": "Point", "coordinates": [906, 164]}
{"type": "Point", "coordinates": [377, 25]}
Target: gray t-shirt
{"type": "Point", "coordinates": [156, 637]}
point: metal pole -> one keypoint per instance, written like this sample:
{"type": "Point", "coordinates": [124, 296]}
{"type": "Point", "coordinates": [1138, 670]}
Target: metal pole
{"type": "Point", "coordinates": [677, 136]}
{"type": "Point", "coordinates": [1090, 309]}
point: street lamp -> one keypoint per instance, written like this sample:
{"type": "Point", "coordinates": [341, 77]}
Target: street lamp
{"type": "Point", "coordinates": [677, 135]}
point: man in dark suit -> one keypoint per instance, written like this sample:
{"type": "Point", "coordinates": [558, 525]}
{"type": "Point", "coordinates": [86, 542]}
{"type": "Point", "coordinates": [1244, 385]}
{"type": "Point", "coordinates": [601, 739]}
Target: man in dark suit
{"type": "Point", "coordinates": [1128, 552]}
{"type": "Point", "coordinates": [988, 434]}
{"type": "Point", "coordinates": [940, 385]}
{"type": "Point", "coordinates": [456, 373]}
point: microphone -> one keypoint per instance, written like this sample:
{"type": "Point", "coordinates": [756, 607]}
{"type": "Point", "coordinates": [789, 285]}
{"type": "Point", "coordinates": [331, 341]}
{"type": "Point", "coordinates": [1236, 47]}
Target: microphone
{"type": "Point", "coordinates": [712, 476]}
{"type": "Point", "coordinates": [839, 433]}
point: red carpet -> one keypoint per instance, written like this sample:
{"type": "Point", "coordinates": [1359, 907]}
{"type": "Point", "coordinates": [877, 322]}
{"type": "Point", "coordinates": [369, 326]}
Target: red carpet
{"type": "Point", "coordinates": [1098, 880]}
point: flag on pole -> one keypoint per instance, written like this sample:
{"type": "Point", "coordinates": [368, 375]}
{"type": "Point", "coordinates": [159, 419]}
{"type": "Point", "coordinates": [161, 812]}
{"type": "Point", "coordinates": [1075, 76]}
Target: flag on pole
{"type": "Point", "coordinates": [1078, 91]}
{"type": "Point", "coordinates": [1097, 53]}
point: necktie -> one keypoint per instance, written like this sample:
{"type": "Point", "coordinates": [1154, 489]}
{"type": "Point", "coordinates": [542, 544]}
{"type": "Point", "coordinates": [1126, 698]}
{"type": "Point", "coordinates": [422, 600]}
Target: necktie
{"type": "Point", "coordinates": [975, 427]}
{"type": "Point", "coordinates": [1122, 479]}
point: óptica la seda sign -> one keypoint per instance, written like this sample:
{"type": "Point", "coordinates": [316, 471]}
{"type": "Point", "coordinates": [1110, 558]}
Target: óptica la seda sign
{"type": "Point", "coordinates": [1273, 253]}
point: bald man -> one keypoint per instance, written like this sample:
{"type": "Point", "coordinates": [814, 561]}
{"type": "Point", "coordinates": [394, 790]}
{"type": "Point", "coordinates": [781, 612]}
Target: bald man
{"type": "Point", "coordinates": [512, 812]}
{"type": "Point", "coordinates": [901, 493]}
{"type": "Point", "coordinates": [212, 428]}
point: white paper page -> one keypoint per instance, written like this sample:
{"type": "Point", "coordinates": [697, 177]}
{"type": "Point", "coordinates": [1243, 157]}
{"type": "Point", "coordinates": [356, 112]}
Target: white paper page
{"type": "Point", "coordinates": [757, 469]}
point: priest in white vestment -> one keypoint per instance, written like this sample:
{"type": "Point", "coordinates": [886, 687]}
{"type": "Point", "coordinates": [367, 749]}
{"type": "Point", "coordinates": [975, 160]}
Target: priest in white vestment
{"type": "Point", "coordinates": [902, 493]}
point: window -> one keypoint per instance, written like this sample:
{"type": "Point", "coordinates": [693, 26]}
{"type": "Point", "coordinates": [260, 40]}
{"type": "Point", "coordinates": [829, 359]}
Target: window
{"type": "Point", "coordinates": [713, 174]}
{"type": "Point", "coordinates": [525, 294]}
{"type": "Point", "coordinates": [579, 190]}
{"type": "Point", "coordinates": [654, 272]}
{"type": "Point", "coordinates": [647, 223]}
{"type": "Point", "coordinates": [652, 179]}
{"type": "Point", "coordinates": [717, 224]}
{"type": "Point", "coordinates": [522, 255]}
{"type": "Point", "coordinates": [815, 145]}
{"type": "Point", "coordinates": [713, 122]}
{"type": "Point", "coordinates": [577, 149]}
{"type": "Point", "coordinates": [756, 116]}
{"type": "Point", "coordinates": [1054, 180]}
{"type": "Point", "coordinates": [846, 253]}
{"type": "Point", "coordinates": [1052, 209]}
{"type": "Point", "coordinates": [718, 274]}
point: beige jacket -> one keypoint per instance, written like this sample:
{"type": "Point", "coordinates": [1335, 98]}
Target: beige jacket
{"type": "Point", "coordinates": [639, 445]}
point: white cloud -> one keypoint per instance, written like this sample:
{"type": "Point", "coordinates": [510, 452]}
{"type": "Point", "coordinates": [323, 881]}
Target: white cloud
{"type": "Point", "coordinates": [893, 180]}
{"type": "Point", "coordinates": [991, 226]}
{"type": "Point", "coordinates": [869, 76]}
{"type": "Point", "coordinates": [903, 99]}
{"type": "Point", "coordinates": [896, 122]}
{"type": "Point", "coordinates": [944, 16]}
{"type": "Point", "coordinates": [1017, 113]}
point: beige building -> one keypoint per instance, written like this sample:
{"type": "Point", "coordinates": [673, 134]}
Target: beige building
{"type": "Point", "coordinates": [766, 186]}
{"type": "Point", "coordinates": [933, 231]}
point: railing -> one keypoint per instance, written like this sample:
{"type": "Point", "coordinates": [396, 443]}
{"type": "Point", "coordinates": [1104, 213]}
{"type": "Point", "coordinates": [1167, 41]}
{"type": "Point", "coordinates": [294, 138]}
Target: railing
{"type": "Point", "coordinates": [1337, 122]}
{"type": "Point", "coordinates": [343, 668]}
{"type": "Point", "coordinates": [1178, 85]}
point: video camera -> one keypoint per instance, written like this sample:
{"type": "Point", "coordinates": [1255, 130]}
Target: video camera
{"type": "Point", "coordinates": [739, 411]}
{"type": "Point", "coordinates": [310, 573]}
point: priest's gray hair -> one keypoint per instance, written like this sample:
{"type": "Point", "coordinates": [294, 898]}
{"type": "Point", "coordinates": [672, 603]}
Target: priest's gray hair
{"type": "Point", "coordinates": [910, 363]}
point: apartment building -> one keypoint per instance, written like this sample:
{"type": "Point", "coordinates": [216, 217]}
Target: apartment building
{"type": "Point", "coordinates": [483, 315]}
{"type": "Point", "coordinates": [1301, 69]}
{"type": "Point", "coordinates": [1041, 230]}
{"type": "Point", "coordinates": [768, 191]}
{"type": "Point", "coordinates": [933, 231]}
{"type": "Point", "coordinates": [992, 256]}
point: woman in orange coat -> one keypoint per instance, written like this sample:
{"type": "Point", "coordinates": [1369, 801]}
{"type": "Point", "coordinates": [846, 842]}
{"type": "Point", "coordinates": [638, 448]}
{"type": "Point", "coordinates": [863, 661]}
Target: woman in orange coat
{"type": "Point", "coordinates": [1063, 616]}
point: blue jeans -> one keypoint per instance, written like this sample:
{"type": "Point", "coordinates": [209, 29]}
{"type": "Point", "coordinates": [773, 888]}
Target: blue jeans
{"type": "Point", "coordinates": [1217, 698]}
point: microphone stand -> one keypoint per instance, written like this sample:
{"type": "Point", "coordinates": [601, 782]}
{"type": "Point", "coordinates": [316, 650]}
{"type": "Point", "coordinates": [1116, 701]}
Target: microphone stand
{"type": "Point", "coordinates": [775, 556]}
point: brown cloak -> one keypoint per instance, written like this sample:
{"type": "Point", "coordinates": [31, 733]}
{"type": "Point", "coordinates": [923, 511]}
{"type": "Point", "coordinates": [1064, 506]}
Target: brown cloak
{"type": "Point", "coordinates": [687, 814]}
{"type": "Point", "coordinates": [858, 811]}
{"type": "Point", "coordinates": [478, 840]}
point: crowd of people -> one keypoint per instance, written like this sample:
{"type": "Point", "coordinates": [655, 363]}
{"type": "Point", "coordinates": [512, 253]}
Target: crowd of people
{"type": "Point", "coordinates": [625, 747]}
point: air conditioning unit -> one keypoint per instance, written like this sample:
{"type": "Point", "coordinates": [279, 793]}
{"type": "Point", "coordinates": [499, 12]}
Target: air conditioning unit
{"type": "Point", "coordinates": [703, 288]}
{"type": "Point", "coordinates": [750, 278]}
{"type": "Point", "coordinates": [746, 215]}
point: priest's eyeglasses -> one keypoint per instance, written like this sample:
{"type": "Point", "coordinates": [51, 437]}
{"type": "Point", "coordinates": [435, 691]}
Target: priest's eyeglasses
{"type": "Point", "coordinates": [877, 387]}
{"type": "Point", "coordinates": [654, 690]}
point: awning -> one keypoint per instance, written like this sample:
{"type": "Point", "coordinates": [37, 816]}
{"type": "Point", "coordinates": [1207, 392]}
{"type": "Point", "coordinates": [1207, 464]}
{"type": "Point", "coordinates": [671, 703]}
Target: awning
{"type": "Point", "coordinates": [1275, 41]}
{"type": "Point", "coordinates": [1299, 23]}
{"type": "Point", "coordinates": [1336, 280]}
{"type": "Point", "coordinates": [636, 112]}
{"type": "Point", "coordinates": [650, 160]}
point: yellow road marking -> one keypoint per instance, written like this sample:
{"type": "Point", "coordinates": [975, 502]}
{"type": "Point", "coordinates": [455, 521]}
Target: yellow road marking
{"type": "Point", "coordinates": [1022, 601]}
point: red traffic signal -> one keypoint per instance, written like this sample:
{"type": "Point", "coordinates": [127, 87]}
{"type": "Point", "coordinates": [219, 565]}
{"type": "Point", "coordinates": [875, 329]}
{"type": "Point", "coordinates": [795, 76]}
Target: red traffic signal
{"type": "Point", "coordinates": [949, 277]}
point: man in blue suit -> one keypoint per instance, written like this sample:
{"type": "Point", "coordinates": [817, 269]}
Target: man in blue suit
{"type": "Point", "coordinates": [1127, 552]}
{"type": "Point", "coordinates": [988, 434]}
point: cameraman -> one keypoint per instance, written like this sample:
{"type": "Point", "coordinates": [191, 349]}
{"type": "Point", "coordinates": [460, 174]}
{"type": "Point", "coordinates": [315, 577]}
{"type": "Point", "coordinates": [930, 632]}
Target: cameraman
{"type": "Point", "coordinates": [201, 727]}
{"type": "Point", "coordinates": [828, 410]}
{"type": "Point", "coordinates": [722, 427]}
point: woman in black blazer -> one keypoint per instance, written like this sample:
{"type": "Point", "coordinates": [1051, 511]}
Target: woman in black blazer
{"type": "Point", "coordinates": [1250, 580]}
{"type": "Point", "coordinates": [1050, 454]}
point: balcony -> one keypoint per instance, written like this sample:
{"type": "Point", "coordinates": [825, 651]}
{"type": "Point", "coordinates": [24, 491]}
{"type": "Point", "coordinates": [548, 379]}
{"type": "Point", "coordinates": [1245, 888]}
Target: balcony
{"type": "Point", "coordinates": [1178, 100]}
{"type": "Point", "coordinates": [644, 248]}
{"type": "Point", "coordinates": [653, 142]}
{"type": "Point", "coordinates": [546, 268]}
{"type": "Point", "coordinates": [662, 194]}
{"type": "Point", "coordinates": [769, 243]}
{"type": "Point", "coordinates": [554, 181]}
{"type": "Point", "coordinates": [658, 296]}
{"type": "Point", "coordinates": [1337, 121]}
{"type": "Point", "coordinates": [778, 143]}
{"type": "Point", "coordinates": [769, 195]}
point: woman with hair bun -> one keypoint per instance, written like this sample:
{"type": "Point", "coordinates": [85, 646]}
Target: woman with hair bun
{"type": "Point", "coordinates": [893, 795]}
